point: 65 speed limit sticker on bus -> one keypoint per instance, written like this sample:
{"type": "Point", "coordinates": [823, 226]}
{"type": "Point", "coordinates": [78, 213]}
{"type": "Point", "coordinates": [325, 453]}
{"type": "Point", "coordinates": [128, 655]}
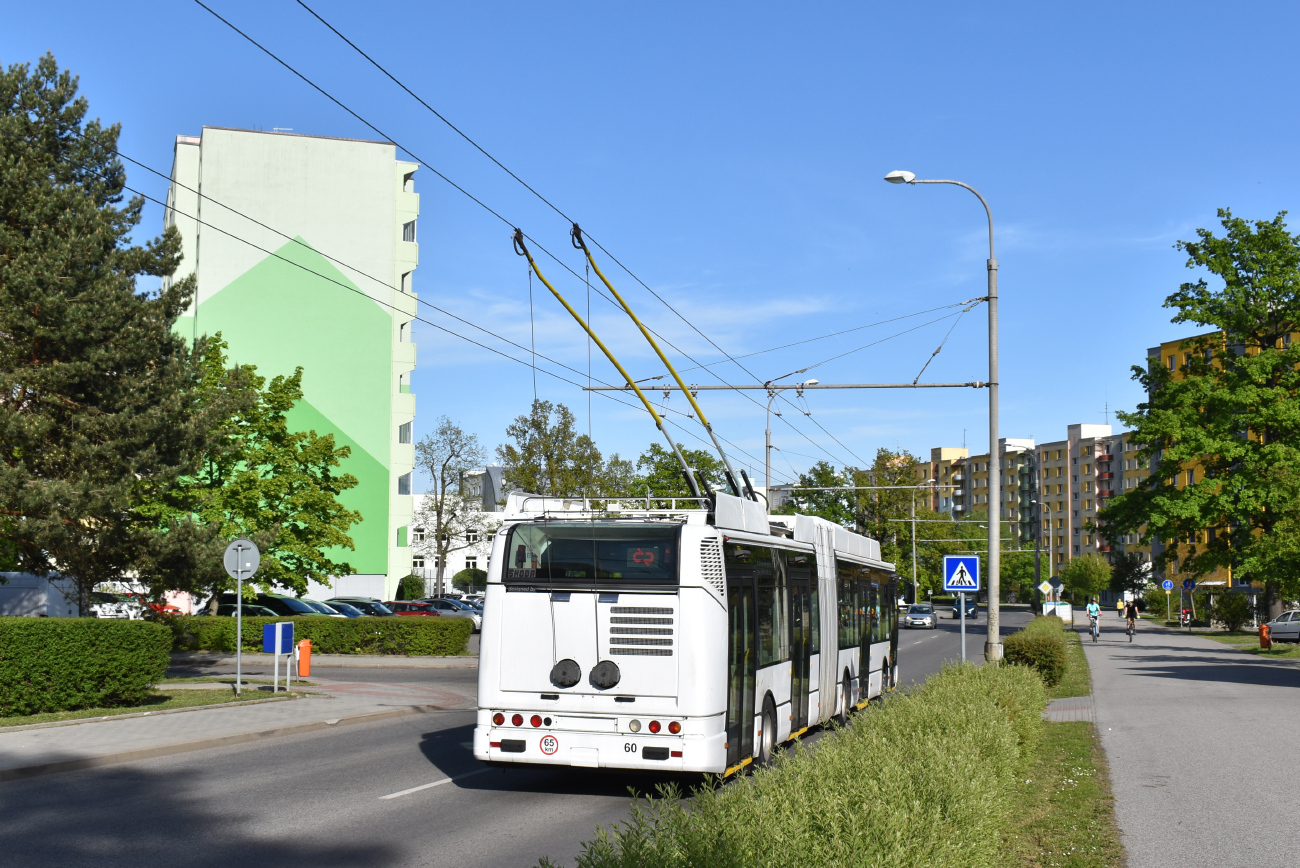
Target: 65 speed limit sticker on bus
{"type": "Point", "coordinates": [550, 744]}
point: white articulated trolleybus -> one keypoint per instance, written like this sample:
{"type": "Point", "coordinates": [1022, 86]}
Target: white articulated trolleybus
{"type": "Point", "coordinates": [683, 639]}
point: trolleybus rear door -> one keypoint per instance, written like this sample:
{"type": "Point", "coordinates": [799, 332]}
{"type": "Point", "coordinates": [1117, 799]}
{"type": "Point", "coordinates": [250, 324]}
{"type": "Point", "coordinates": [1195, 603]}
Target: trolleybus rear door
{"type": "Point", "coordinates": [741, 669]}
{"type": "Point", "coordinates": [801, 570]}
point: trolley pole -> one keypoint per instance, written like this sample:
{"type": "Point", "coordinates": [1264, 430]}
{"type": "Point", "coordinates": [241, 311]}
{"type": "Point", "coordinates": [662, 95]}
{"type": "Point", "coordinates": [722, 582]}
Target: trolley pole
{"type": "Point", "coordinates": [993, 647]}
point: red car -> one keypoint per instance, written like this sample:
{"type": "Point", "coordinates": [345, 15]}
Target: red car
{"type": "Point", "coordinates": [418, 610]}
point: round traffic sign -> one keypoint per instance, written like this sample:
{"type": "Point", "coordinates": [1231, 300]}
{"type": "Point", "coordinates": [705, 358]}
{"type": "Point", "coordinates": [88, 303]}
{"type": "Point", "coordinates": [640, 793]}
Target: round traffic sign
{"type": "Point", "coordinates": [1189, 585]}
{"type": "Point", "coordinates": [1167, 584]}
{"type": "Point", "coordinates": [549, 745]}
{"type": "Point", "coordinates": [242, 559]}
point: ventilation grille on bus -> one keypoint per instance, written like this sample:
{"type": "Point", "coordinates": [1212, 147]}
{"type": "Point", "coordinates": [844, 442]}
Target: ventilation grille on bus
{"type": "Point", "coordinates": [638, 637]}
{"type": "Point", "coordinates": [711, 565]}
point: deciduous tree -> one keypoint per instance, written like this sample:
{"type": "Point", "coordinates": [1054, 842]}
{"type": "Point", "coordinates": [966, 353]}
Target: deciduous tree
{"type": "Point", "coordinates": [548, 456]}
{"type": "Point", "coordinates": [449, 516]}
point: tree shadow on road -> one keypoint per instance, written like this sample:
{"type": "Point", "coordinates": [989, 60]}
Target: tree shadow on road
{"type": "Point", "coordinates": [123, 816]}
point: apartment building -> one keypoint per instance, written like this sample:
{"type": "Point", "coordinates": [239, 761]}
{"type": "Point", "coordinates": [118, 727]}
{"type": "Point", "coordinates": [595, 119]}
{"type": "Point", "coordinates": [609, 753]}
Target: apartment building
{"type": "Point", "coordinates": [304, 248]}
{"type": "Point", "coordinates": [948, 470]}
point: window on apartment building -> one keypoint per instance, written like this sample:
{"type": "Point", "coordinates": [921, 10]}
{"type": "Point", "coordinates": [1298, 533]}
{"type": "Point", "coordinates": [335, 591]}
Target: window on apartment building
{"type": "Point", "coordinates": [1087, 504]}
{"type": "Point", "coordinates": [408, 231]}
{"type": "Point", "coordinates": [1172, 359]}
{"type": "Point", "coordinates": [404, 332]}
{"type": "Point", "coordinates": [471, 563]}
{"type": "Point", "coordinates": [471, 536]}
{"type": "Point", "coordinates": [404, 432]}
{"type": "Point", "coordinates": [408, 182]}
{"type": "Point", "coordinates": [417, 534]}
{"type": "Point", "coordinates": [417, 563]}
{"type": "Point", "coordinates": [1060, 523]}
{"type": "Point", "coordinates": [1076, 550]}
{"type": "Point", "coordinates": [404, 484]}
{"type": "Point", "coordinates": [406, 283]}
{"type": "Point", "coordinates": [1191, 477]}
{"type": "Point", "coordinates": [1286, 342]}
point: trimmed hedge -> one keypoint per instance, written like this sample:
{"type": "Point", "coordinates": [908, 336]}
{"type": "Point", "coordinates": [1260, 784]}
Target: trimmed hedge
{"type": "Point", "coordinates": [439, 637]}
{"type": "Point", "coordinates": [1040, 646]}
{"type": "Point", "coordinates": [62, 664]}
{"type": "Point", "coordinates": [924, 779]}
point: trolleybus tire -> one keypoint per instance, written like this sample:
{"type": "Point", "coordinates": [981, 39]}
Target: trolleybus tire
{"type": "Point", "coordinates": [767, 739]}
{"type": "Point", "coordinates": [848, 699]}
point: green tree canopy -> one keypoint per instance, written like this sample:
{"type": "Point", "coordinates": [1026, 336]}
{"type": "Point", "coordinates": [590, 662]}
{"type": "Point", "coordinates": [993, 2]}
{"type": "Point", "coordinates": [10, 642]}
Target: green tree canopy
{"type": "Point", "coordinates": [1234, 411]}
{"type": "Point", "coordinates": [99, 401]}
{"type": "Point", "coordinates": [1088, 575]}
{"type": "Point", "coordinates": [659, 471]}
{"type": "Point", "coordinates": [548, 456]}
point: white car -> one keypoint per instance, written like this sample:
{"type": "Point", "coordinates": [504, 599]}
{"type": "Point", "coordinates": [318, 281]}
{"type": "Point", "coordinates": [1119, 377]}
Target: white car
{"type": "Point", "coordinates": [1285, 627]}
{"type": "Point", "coordinates": [921, 615]}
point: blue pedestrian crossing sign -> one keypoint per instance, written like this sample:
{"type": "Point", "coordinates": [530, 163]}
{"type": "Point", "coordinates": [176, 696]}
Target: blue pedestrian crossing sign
{"type": "Point", "coordinates": [961, 573]}
{"type": "Point", "coordinates": [1167, 585]}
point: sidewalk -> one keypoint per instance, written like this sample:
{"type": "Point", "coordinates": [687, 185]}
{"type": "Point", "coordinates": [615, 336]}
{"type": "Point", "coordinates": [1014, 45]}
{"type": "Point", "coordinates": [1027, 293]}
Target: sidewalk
{"type": "Point", "coordinates": [49, 748]}
{"type": "Point", "coordinates": [1198, 738]}
{"type": "Point", "coordinates": [184, 659]}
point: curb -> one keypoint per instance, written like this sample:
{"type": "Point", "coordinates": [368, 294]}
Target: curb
{"type": "Point", "coordinates": [182, 658]}
{"type": "Point", "coordinates": [23, 772]}
{"type": "Point", "coordinates": [78, 720]}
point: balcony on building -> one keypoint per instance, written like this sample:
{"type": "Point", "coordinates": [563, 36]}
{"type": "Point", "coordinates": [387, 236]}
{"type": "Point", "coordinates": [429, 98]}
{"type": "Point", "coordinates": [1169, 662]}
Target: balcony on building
{"type": "Point", "coordinates": [1105, 494]}
{"type": "Point", "coordinates": [1105, 474]}
{"type": "Point", "coordinates": [956, 477]}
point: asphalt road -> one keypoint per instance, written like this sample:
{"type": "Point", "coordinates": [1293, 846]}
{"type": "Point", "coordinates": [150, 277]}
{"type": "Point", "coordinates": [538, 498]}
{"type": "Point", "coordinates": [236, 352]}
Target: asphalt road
{"type": "Point", "coordinates": [339, 797]}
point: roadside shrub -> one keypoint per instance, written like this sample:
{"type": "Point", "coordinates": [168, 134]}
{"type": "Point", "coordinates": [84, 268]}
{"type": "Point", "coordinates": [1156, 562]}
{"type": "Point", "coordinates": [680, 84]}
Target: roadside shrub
{"type": "Point", "coordinates": [1233, 610]}
{"type": "Point", "coordinates": [467, 580]}
{"type": "Point", "coordinates": [62, 664]}
{"type": "Point", "coordinates": [410, 588]}
{"type": "Point", "coordinates": [439, 637]}
{"type": "Point", "coordinates": [923, 779]}
{"type": "Point", "coordinates": [1156, 601]}
{"type": "Point", "coordinates": [1043, 652]}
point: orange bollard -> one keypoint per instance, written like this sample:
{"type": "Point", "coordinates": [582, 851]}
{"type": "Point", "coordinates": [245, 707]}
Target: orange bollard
{"type": "Point", "coordinates": [304, 658]}
{"type": "Point", "coordinates": [1265, 637]}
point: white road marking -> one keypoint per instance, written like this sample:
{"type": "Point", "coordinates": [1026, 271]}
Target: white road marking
{"type": "Point", "coordinates": [432, 785]}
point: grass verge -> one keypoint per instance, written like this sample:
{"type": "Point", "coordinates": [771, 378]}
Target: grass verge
{"type": "Point", "coordinates": [1062, 810]}
{"type": "Point", "coordinates": [157, 701]}
{"type": "Point", "coordinates": [1077, 680]}
{"type": "Point", "coordinates": [1243, 640]}
{"type": "Point", "coordinates": [230, 679]}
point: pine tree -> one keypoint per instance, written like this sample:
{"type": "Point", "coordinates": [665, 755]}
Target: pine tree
{"type": "Point", "coordinates": [99, 409]}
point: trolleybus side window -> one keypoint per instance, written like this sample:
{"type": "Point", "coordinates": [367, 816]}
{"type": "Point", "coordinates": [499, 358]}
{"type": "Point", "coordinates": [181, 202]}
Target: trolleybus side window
{"type": "Point", "coordinates": [802, 569]}
{"type": "Point", "coordinates": [766, 569]}
{"type": "Point", "coordinates": [589, 555]}
{"type": "Point", "coordinates": [872, 592]}
{"type": "Point", "coordinates": [850, 615]}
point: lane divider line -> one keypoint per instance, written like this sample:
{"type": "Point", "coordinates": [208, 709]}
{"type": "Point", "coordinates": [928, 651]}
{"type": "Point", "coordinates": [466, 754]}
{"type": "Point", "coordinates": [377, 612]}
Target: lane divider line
{"type": "Point", "coordinates": [434, 784]}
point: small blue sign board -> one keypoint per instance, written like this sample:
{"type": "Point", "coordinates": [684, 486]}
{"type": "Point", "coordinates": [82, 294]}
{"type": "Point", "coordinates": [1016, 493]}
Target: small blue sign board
{"type": "Point", "coordinates": [1189, 585]}
{"type": "Point", "coordinates": [1167, 584]}
{"type": "Point", "coordinates": [961, 573]}
{"type": "Point", "coordinates": [277, 638]}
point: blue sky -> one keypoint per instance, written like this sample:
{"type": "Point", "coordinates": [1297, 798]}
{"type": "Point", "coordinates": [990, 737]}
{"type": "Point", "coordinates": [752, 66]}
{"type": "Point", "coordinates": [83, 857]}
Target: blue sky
{"type": "Point", "coordinates": [732, 154]}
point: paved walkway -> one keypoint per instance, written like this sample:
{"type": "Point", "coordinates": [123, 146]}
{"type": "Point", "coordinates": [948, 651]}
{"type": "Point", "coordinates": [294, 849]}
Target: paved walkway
{"type": "Point", "coordinates": [40, 750]}
{"type": "Point", "coordinates": [1200, 740]}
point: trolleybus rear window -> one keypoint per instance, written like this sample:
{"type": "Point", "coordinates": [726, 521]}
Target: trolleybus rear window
{"type": "Point", "coordinates": [591, 555]}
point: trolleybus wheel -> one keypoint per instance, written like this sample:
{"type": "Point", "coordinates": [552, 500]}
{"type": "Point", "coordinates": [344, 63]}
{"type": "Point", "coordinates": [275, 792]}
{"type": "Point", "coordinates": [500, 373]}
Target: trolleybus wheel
{"type": "Point", "coordinates": [848, 700]}
{"type": "Point", "coordinates": [767, 741]}
{"type": "Point", "coordinates": [886, 678]}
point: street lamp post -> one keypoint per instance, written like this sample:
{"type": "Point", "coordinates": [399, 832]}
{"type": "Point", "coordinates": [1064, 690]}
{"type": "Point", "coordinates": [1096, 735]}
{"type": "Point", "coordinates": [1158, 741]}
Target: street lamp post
{"type": "Point", "coordinates": [767, 434]}
{"type": "Point", "coordinates": [916, 586]}
{"type": "Point", "coordinates": [993, 647]}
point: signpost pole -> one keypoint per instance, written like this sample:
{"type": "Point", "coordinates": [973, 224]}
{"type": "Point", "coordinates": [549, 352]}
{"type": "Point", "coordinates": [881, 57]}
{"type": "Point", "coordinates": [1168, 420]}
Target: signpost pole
{"type": "Point", "coordinates": [1168, 613]}
{"type": "Point", "coordinates": [241, 560]}
{"type": "Point", "coordinates": [961, 601]}
{"type": "Point", "coordinates": [239, 637]}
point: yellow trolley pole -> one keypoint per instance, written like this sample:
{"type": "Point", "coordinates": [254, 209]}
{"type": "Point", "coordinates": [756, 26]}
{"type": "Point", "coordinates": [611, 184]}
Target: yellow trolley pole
{"type": "Point", "coordinates": [522, 250]}
{"type": "Point", "coordinates": [732, 478]}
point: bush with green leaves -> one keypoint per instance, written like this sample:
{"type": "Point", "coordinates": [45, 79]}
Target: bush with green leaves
{"type": "Point", "coordinates": [438, 637]}
{"type": "Point", "coordinates": [410, 588]}
{"type": "Point", "coordinates": [1040, 646]}
{"type": "Point", "coordinates": [469, 579]}
{"type": "Point", "coordinates": [62, 664]}
{"type": "Point", "coordinates": [1231, 610]}
{"type": "Point", "coordinates": [923, 779]}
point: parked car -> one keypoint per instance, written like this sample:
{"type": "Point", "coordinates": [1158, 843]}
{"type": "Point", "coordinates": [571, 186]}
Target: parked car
{"type": "Point", "coordinates": [281, 605]}
{"type": "Point", "coordinates": [412, 609]}
{"type": "Point", "coordinates": [251, 610]}
{"type": "Point", "coordinates": [921, 615]}
{"type": "Point", "coordinates": [366, 605]}
{"type": "Point", "coordinates": [104, 604]}
{"type": "Point", "coordinates": [457, 609]}
{"type": "Point", "coordinates": [322, 609]}
{"type": "Point", "coordinates": [972, 610]}
{"type": "Point", "coordinates": [1285, 627]}
{"type": "Point", "coordinates": [347, 610]}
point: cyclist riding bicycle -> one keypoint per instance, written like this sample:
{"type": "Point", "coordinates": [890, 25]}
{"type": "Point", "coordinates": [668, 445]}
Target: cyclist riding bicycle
{"type": "Point", "coordinates": [1131, 614]}
{"type": "Point", "coordinates": [1094, 617]}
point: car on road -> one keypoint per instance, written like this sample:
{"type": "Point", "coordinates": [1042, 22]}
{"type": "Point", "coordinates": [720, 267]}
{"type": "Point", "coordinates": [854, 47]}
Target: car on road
{"type": "Point", "coordinates": [366, 605]}
{"type": "Point", "coordinates": [972, 610]}
{"type": "Point", "coordinates": [412, 609]}
{"type": "Point", "coordinates": [921, 615]}
{"type": "Point", "coordinates": [1285, 627]}
{"type": "Point", "coordinates": [457, 609]}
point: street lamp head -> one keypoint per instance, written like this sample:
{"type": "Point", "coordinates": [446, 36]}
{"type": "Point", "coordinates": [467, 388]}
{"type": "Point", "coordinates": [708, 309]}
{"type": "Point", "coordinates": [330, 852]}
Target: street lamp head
{"type": "Point", "coordinates": [901, 177]}
{"type": "Point", "coordinates": [811, 382]}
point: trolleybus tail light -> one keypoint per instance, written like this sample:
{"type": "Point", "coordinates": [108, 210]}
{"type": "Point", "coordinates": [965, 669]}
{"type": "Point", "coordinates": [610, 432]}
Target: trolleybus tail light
{"type": "Point", "coordinates": [674, 727]}
{"type": "Point", "coordinates": [675, 753]}
{"type": "Point", "coordinates": [654, 726]}
{"type": "Point", "coordinates": [634, 725]}
{"type": "Point", "coordinates": [498, 718]}
{"type": "Point", "coordinates": [536, 720]}
{"type": "Point", "coordinates": [517, 720]}
{"type": "Point", "coordinates": [496, 744]}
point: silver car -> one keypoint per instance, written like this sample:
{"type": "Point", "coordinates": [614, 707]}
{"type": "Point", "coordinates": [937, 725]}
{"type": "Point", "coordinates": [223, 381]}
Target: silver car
{"type": "Point", "coordinates": [1285, 627]}
{"type": "Point", "coordinates": [456, 609]}
{"type": "Point", "coordinates": [921, 615]}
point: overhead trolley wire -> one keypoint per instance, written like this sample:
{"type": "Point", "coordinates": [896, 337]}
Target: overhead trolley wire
{"type": "Point", "coordinates": [494, 213]}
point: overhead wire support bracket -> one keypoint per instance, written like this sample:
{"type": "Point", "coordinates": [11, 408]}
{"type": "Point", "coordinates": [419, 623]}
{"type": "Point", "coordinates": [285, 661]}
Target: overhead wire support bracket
{"type": "Point", "coordinates": [687, 471]}
{"type": "Point", "coordinates": [575, 235]}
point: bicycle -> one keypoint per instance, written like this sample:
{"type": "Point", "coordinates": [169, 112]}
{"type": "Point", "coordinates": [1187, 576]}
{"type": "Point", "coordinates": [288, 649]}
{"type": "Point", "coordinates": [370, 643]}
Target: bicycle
{"type": "Point", "coordinates": [1132, 628]}
{"type": "Point", "coordinates": [1095, 629]}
